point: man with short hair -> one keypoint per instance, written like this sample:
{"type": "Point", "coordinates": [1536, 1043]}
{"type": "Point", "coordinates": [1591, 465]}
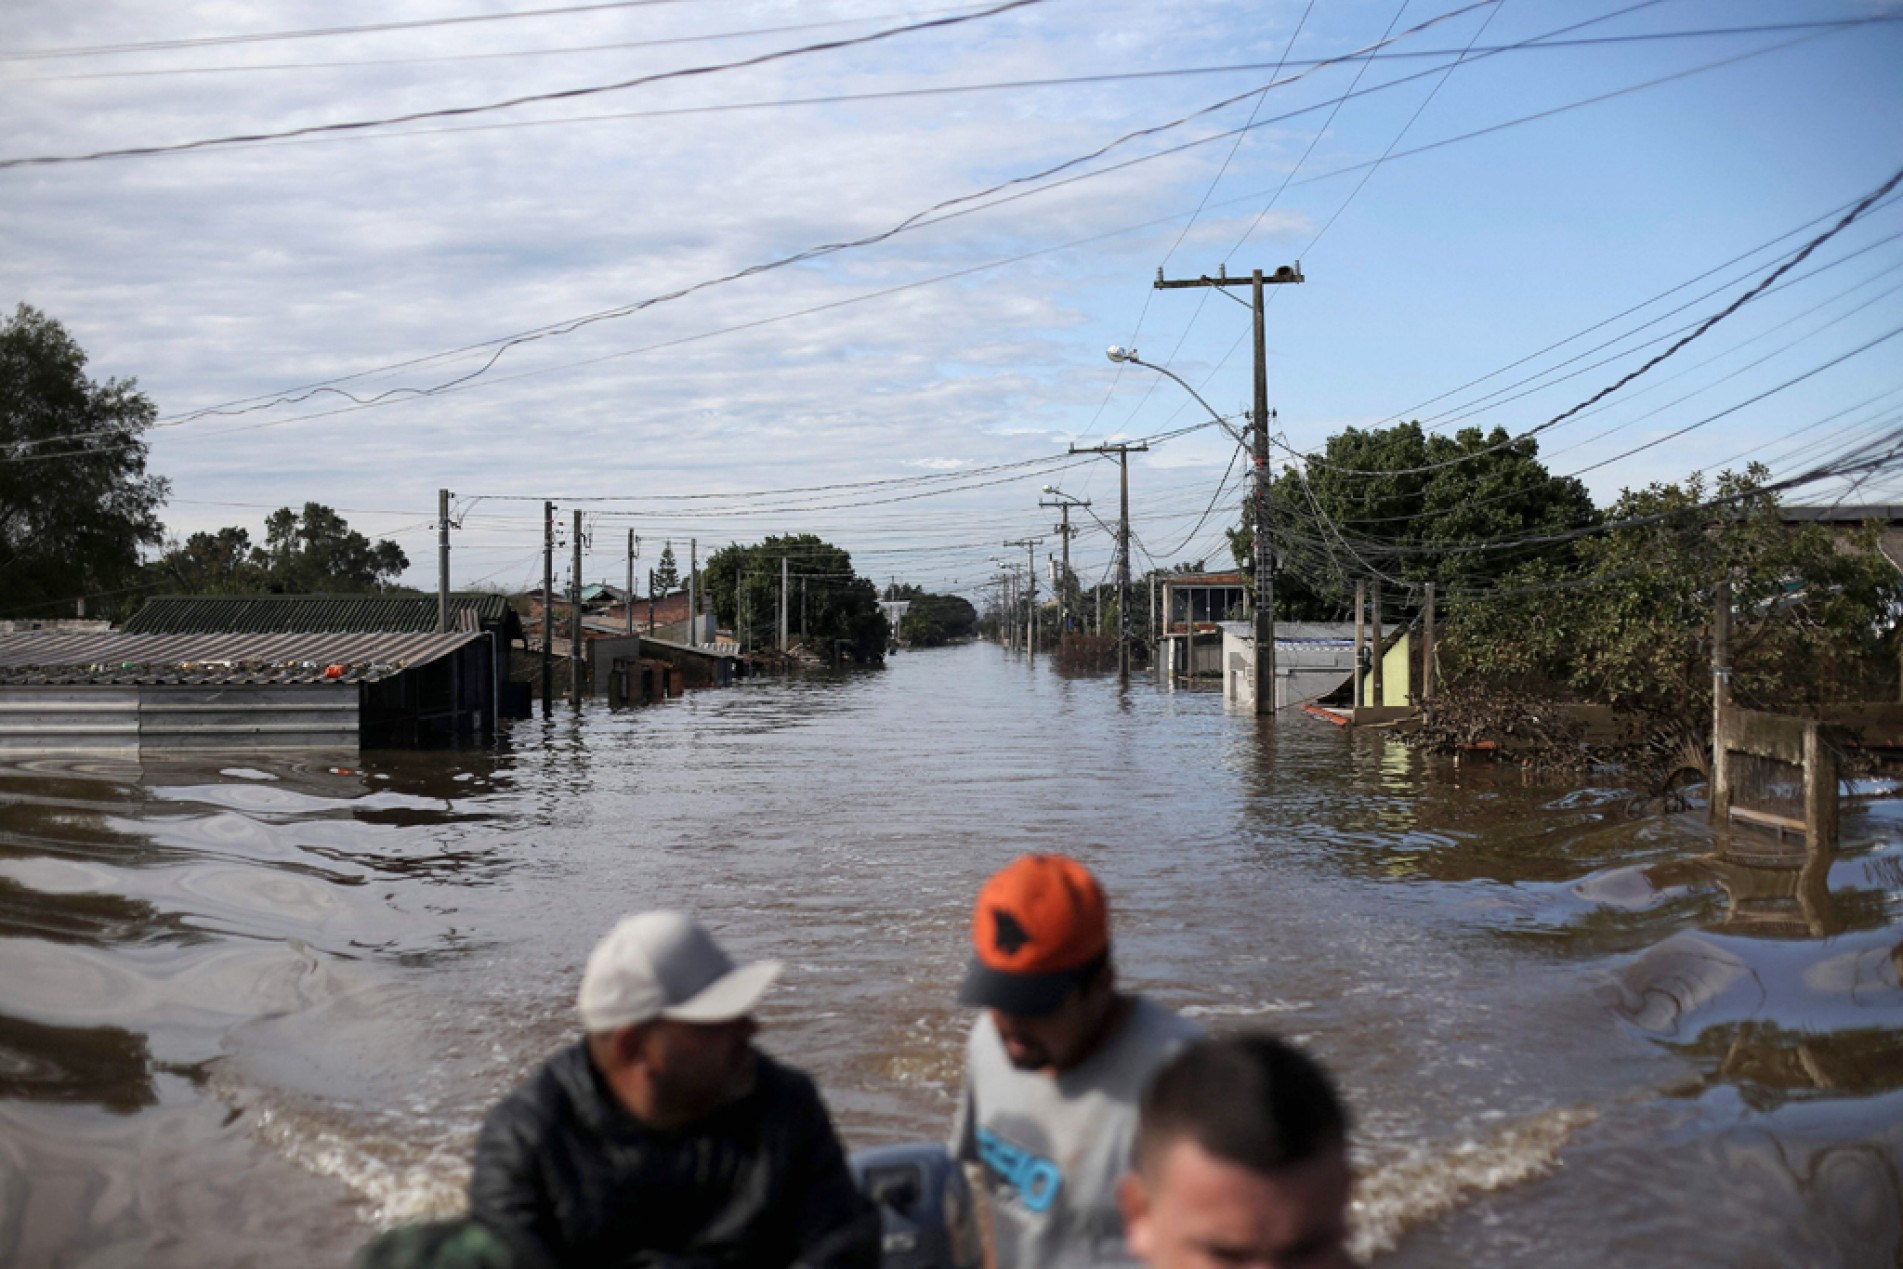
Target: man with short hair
{"type": "Point", "coordinates": [1241, 1159]}
{"type": "Point", "coordinates": [663, 1137]}
{"type": "Point", "coordinates": [1054, 1066]}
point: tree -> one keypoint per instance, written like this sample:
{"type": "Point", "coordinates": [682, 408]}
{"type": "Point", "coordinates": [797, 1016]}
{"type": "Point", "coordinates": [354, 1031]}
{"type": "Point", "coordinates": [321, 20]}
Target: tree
{"type": "Point", "coordinates": [1335, 522]}
{"type": "Point", "coordinates": [316, 551]}
{"type": "Point", "coordinates": [1630, 625]}
{"type": "Point", "coordinates": [76, 503]}
{"type": "Point", "coordinates": [743, 582]}
{"type": "Point", "coordinates": [221, 563]}
{"type": "Point", "coordinates": [313, 551]}
{"type": "Point", "coordinates": [933, 620]}
{"type": "Point", "coordinates": [667, 573]}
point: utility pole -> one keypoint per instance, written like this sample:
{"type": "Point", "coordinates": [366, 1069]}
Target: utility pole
{"type": "Point", "coordinates": [693, 592]}
{"type": "Point", "coordinates": [548, 605]}
{"type": "Point", "coordinates": [1361, 612]}
{"type": "Point", "coordinates": [1122, 451]}
{"type": "Point", "coordinates": [442, 561]}
{"type": "Point", "coordinates": [1064, 535]}
{"type": "Point", "coordinates": [574, 619]}
{"type": "Point", "coordinates": [1379, 691]}
{"type": "Point", "coordinates": [782, 605]}
{"type": "Point", "coordinates": [634, 548]}
{"type": "Point", "coordinates": [1030, 546]}
{"type": "Point", "coordinates": [1427, 647]}
{"type": "Point", "coordinates": [1264, 521]}
{"type": "Point", "coordinates": [650, 603]}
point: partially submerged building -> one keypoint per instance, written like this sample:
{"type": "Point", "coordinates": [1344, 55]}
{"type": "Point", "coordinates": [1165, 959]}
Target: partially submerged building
{"type": "Point", "coordinates": [275, 673]}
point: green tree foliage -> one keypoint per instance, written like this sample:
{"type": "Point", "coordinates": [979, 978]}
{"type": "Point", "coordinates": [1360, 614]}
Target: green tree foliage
{"type": "Point", "coordinates": [315, 550]}
{"type": "Point", "coordinates": [667, 573]}
{"type": "Point", "coordinates": [76, 503]}
{"type": "Point", "coordinates": [933, 620]}
{"type": "Point", "coordinates": [308, 552]}
{"type": "Point", "coordinates": [1333, 525]}
{"type": "Point", "coordinates": [1630, 624]}
{"type": "Point", "coordinates": [743, 584]}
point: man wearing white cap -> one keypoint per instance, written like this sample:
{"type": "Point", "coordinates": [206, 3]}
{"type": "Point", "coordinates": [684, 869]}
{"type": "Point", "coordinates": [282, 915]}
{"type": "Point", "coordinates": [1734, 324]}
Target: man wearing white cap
{"type": "Point", "coordinates": [663, 1137]}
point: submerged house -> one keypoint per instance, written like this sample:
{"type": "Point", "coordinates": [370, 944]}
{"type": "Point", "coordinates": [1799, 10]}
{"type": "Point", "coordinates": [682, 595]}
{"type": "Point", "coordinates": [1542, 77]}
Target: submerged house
{"type": "Point", "coordinates": [275, 672]}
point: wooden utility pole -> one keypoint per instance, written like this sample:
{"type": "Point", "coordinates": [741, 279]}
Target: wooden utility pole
{"type": "Point", "coordinates": [548, 605]}
{"type": "Point", "coordinates": [1427, 647]}
{"type": "Point", "coordinates": [1263, 517]}
{"type": "Point", "coordinates": [693, 592]}
{"type": "Point", "coordinates": [1123, 452]}
{"type": "Point", "coordinates": [574, 619]}
{"type": "Point", "coordinates": [782, 605]}
{"type": "Point", "coordinates": [442, 561]}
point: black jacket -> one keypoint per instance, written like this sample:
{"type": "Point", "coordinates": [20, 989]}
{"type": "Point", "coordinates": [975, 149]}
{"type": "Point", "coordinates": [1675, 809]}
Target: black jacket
{"type": "Point", "coordinates": [761, 1182]}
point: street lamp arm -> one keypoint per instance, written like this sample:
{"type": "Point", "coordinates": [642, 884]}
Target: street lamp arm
{"type": "Point", "coordinates": [1121, 354]}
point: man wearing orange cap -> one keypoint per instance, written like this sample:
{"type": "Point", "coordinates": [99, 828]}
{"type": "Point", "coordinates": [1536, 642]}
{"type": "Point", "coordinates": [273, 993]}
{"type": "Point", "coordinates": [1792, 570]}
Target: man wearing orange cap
{"type": "Point", "coordinates": [1055, 1066]}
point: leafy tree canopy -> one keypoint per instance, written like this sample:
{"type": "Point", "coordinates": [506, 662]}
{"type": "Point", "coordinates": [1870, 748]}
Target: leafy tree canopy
{"type": "Point", "coordinates": [76, 503]}
{"type": "Point", "coordinates": [1630, 624]}
{"type": "Point", "coordinates": [313, 551]}
{"type": "Point", "coordinates": [1334, 523]}
{"type": "Point", "coordinates": [743, 583]}
{"type": "Point", "coordinates": [933, 620]}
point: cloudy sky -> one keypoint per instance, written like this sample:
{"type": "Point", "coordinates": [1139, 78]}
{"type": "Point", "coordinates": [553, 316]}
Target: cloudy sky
{"type": "Point", "coordinates": [670, 263]}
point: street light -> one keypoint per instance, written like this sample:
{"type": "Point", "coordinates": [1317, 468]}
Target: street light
{"type": "Point", "coordinates": [1265, 616]}
{"type": "Point", "coordinates": [1121, 355]}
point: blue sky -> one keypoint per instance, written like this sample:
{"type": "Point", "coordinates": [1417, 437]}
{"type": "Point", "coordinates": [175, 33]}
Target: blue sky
{"type": "Point", "coordinates": [955, 349]}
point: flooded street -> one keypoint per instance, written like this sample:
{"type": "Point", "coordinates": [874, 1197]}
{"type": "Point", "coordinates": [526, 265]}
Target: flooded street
{"type": "Point", "coordinates": [249, 1010]}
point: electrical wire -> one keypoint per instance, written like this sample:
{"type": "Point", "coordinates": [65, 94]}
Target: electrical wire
{"type": "Point", "coordinates": [565, 94]}
{"type": "Point", "coordinates": [1798, 258]}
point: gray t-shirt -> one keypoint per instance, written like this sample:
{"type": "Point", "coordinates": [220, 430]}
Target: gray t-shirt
{"type": "Point", "coordinates": [1052, 1146]}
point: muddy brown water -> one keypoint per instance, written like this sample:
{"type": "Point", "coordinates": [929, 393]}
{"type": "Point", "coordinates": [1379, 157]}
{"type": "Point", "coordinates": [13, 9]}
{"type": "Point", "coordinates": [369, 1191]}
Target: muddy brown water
{"type": "Point", "coordinates": [251, 1010]}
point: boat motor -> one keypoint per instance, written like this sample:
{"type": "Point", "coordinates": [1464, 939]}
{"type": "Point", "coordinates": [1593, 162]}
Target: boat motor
{"type": "Point", "coordinates": [926, 1215]}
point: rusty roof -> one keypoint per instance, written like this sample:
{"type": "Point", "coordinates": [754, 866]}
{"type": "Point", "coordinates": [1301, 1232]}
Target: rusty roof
{"type": "Point", "coordinates": [120, 657]}
{"type": "Point", "coordinates": [305, 614]}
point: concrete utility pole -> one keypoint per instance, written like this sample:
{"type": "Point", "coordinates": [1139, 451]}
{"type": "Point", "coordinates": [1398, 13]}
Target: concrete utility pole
{"type": "Point", "coordinates": [1064, 534]}
{"type": "Point", "coordinates": [574, 619]}
{"type": "Point", "coordinates": [442, 561]}
{"type": "Point", "coordinates": [1361, 612]}
{"type": "Point", "coordinates": [1264, 520]}
{"type": "Point", "coordinates": [634, 549]}
{"type": "Point", "coordinates": [782, 604]}
{"type": "Point", "coordinates": [1122, 451]}
{"type": "Point", "coordinates": [693, 592]}
{"type": "Point", "coordinates": [650, 603]}
{"type": "Point", "coordinates": [1378, 689]}
{"type": "Point", "coordinates": [1030, 546]}
{"type": "Point", "coordinates": [548, 605]}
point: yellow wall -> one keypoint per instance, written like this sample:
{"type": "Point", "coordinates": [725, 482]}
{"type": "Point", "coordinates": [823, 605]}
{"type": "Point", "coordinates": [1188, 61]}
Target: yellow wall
{"type": "Point", "coordinates": [1395, 686]}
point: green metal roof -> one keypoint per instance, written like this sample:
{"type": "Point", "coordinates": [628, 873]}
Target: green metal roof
{"type": "Point", "coordinates": [312, 614]}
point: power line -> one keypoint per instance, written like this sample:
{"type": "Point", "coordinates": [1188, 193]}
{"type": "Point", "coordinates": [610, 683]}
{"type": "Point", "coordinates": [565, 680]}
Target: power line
{"type": "Point", "coordinates": [565, 94]}
{"type": "Point", "coordinates": [1801, 255]}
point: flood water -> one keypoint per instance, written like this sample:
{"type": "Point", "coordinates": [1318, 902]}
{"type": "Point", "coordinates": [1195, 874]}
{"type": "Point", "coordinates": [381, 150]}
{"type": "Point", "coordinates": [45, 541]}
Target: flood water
{"type": "Point", "coordinates": [252, 1010]}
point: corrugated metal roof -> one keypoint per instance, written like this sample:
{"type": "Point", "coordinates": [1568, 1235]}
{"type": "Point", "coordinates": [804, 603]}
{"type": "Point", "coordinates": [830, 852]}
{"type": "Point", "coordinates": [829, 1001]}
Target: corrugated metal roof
{"type": "Point", "coordinates": [289, 614]}
{"type": "Point", "coordinates": [51, 657]}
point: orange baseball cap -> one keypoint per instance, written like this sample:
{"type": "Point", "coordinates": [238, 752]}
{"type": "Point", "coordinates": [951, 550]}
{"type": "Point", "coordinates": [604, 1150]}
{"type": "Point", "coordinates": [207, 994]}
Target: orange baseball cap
{"type": "Point", "coordinates": [1040, 927]}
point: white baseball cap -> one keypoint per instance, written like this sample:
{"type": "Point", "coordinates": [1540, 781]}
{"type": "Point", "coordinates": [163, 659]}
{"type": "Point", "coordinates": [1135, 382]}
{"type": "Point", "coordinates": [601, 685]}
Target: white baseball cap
{"type": "Point", "coordinates": [666, 965]}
